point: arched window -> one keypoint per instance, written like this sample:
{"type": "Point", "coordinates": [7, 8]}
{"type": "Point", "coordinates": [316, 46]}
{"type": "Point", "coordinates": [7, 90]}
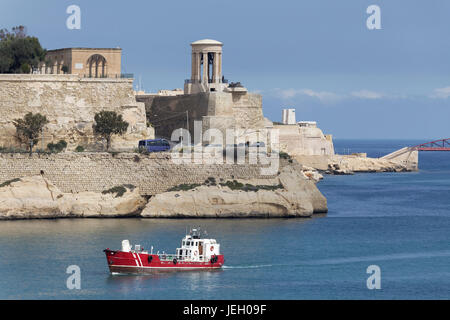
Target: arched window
{"type": "Point", "coordinates": [97, 66]}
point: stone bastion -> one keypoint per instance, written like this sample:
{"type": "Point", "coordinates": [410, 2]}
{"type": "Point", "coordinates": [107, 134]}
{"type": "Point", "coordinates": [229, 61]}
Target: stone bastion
{"type": "Point", "coordinates": [155, 173]}
{"type": "Point", "coordinates": [70, 103]}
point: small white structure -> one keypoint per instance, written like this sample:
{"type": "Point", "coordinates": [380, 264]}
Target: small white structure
{"type": "Point", "coordinates": [288, 116]}
{"type": "Point", "coordinates": [309, 124]}
{"type": "Point", "coordinates": [302, 138]}
{"type": "Point", "coordinates": [126, 247]}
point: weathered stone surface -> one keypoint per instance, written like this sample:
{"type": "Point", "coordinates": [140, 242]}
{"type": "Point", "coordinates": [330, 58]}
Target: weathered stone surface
{"type": "Point", "coordinates": [74, 172]}
{"type": "Point", "coordinates": [339, 164]}
{"type": "Point", "coordinates": [218, 110]}
{"type": "Point", "coordinates": [70, 103]}
{"type": "Point", "coordinates": [36, 197]}
{"type": "Point", "coordinates": [304, 141]}
{"type": "Point", "coordinates": [299, 197]}
{"type": "Point", "coordinates": [347, 164]}
{"type": "Point", "coordinates": [311, 173]}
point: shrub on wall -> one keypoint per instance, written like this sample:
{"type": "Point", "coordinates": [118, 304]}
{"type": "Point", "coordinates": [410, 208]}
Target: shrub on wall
{"type": "Point", "coordinates": [65, 69]}
{"type": "Point", "coordinates": [119, 190]}
{"type": "Point", "coordinates": [108, 123]}
{"type": "Point", "coordinates": [29, 128]}
{"type": "Point", "coordinates": [57, 147]}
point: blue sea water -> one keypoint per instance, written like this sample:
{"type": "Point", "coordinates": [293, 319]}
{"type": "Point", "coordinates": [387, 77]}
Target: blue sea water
{"type": "Point", "coordinates": [397, 221]}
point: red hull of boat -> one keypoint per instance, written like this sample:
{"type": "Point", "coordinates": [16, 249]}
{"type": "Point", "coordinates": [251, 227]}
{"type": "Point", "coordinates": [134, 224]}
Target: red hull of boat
{"type": "Point", "coordinates": [129, 262]}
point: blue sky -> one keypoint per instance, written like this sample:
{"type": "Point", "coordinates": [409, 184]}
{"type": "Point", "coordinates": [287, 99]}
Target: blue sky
{"type": "Point", "coordinates": [316, 56]}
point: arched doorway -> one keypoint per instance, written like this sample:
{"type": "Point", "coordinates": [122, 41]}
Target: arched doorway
{"type": "Point", "coordinates": [96, 65]}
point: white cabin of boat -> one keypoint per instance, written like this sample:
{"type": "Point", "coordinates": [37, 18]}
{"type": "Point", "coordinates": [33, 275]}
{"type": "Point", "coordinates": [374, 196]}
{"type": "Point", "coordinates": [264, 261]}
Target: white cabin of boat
{"type": "Point", "coordinates": [196, 248]}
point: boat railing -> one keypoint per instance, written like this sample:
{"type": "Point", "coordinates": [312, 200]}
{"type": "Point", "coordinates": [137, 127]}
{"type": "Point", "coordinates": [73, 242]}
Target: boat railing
{"type": "Point", "coordinates": [170, 257]}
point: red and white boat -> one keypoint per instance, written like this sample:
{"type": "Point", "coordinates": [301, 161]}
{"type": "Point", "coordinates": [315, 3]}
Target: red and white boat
{"type": "Point", "coordinates": [195, 253]}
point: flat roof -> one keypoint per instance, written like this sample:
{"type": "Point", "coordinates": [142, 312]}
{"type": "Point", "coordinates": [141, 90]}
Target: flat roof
{"type": "Point", "coordinates": [207, 41]}
{"type": "Point", "coordinates": [79, 48]}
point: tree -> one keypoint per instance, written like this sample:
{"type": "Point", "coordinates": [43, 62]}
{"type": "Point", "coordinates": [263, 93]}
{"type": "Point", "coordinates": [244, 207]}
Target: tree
{"type": "Point", "coordinates": [65, 69]}
{"type": "Point", "coordinates": [19, 52]}
{"type": "Point", "coordinates": [108, 123]}
{"type": "Point", "coordinates": [29, 128]}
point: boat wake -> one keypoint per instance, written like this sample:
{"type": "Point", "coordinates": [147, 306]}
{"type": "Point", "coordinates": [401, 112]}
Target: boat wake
{"type": "Point", "coordinates": [387, 257]}
{"type": "Point", "coordinates": [248, 267]}
{"type": "Point", "coordinates": [347, 260]}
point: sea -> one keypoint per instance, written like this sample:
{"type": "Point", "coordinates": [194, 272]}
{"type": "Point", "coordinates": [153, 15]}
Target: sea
{"type": "Point", "coordinates": [386, 236]}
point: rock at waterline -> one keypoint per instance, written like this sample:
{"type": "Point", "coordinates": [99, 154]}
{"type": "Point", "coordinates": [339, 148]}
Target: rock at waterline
{"type": "Point", "coordinates": [297, 197]}
{"type": "Point", "coordinates": [36, 197]}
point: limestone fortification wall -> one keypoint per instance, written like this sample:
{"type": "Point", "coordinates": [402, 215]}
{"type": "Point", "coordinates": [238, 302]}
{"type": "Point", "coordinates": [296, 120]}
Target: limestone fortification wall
{"type": "Point", "coordinates": [153, 174]}
{"type": "Point", "coordinates": [304, 141]}
{"type": "Point", "coordinates": [70, 103]}
{"type": "Point", "coordinates": [168, 113]}
{"type": "Point", "coordinates": [219, 110]}
{"type": "Point", "coordinates": [247, 110]}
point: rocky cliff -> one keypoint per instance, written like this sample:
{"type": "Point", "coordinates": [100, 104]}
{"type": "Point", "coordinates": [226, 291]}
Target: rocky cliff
{"type": "Point", "coordinates": [36, 197]}
{"type": "Point", "coordinates": [292, 193]}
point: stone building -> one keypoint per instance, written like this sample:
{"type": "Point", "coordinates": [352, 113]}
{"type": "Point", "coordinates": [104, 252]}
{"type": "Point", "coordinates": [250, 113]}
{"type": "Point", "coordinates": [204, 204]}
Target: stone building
{"type": "Point", "coordinates": [86, 62]}
{"type": "Point", "coordinates": [208, 98]}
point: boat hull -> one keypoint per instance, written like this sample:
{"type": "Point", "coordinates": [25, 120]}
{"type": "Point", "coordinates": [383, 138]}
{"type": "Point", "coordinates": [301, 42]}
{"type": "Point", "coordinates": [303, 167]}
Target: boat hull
{"type": "Point", "coordinates": [133, 262]}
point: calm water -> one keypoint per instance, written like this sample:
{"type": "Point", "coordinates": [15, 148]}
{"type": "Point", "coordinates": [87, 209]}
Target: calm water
{"type": "Point", "coordinates": [398, 221]}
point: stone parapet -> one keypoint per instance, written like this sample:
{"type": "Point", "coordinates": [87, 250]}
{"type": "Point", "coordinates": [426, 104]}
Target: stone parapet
{"type": "Point", "coordinates": [152, 174]}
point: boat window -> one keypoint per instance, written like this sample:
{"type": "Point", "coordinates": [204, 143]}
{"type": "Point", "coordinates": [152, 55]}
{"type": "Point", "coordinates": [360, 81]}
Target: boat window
{"type": "Point", "coordinates": [188, 243]}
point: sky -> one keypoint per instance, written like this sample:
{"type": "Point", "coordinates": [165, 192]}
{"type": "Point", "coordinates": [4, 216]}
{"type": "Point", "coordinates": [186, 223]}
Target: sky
{"type": "Point", "coordinates": [317, 56]}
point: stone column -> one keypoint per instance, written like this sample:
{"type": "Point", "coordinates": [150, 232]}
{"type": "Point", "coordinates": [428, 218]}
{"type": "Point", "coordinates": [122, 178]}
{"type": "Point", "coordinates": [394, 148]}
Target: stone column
{"type": "Point", "coordinates": [214, 68]}
{"type": "Point", "coordinates": [193, 66]}
{"type": "Point", "coordinates": [199, 66]}
{"type": "Point", "coordinates": [219, 63]}
{"type": "Point", "coordinates": [205, 68]}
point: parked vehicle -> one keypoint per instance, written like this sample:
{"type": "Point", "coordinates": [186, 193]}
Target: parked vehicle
{"type": "Point", "coordinates": [154, 145]}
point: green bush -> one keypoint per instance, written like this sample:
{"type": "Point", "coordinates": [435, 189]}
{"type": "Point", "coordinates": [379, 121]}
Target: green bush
{"type": "Point", "coordinates": [211, 181]}
{"type": "Point", "coordinates": [235, 185]}
{"type": "Point", "coordinates": [7, 183]}
{"type": "Point", "coordinates": [284, 155]}
{"type": "Point", "coordinates": [142, 151]}
{"type": "Point", "coordinates": [57, 147]}
{"type": "Point", "coordinates": [119, 190]}
{"type": "Point", "coordinates": [184, 187]}
{"type": "Point", "coordinates": [79, 149]}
